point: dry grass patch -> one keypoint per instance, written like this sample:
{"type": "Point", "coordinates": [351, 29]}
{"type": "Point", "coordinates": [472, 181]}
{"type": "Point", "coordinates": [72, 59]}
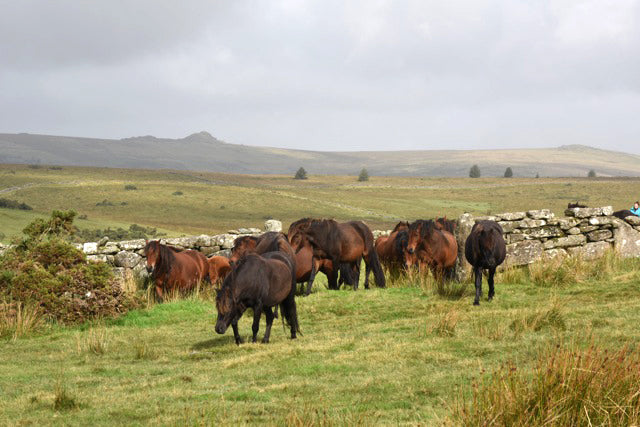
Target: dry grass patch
{"type": "Point", "coordinates": [18, 320]}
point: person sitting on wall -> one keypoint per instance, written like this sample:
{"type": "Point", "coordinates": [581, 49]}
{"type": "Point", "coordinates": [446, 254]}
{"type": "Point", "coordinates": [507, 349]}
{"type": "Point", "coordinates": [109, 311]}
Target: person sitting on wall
{"type": "Point", "coordinates": [635, 209]}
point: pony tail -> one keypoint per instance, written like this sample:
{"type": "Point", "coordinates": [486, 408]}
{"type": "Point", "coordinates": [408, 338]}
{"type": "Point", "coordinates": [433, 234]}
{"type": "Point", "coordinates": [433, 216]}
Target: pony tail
{"type": "Point", "coordinates": [289, 312]}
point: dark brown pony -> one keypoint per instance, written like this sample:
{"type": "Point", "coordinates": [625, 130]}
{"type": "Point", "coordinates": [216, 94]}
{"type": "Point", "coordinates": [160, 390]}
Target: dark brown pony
{"type": "Point", "coordinates": [390, 249]}
{"type": "Point", "coordinates": [219, 267]}
{"type": "Point", "coordinates": [259, 282]}
{"type": "Point", "coordinates": [349, 273]}
{"type": "Point", "coordinates": [346, 242]}
{"type": "Point", "coordinates": [485, 249]}
{"type": "Point", "coordinates": [432, 247]}
{"type": "Point", "coordinates": [241, 246]}
{"type": "Point", "coordinates": [623, 214]}
{"type": "Point", "coordinates": [173, 269]}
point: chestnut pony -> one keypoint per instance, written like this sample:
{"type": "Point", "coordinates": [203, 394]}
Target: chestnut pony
{"type": "Point", "coordinates": [341, 243]}
{"type": "Point", "coordinates": [432, 247]}
{"type": "Point", "coordinates": [172, 269]}
{"type": "Point", "coordinates": [219, 267]}
{"type": "Point", "coordinates": [390, 249]}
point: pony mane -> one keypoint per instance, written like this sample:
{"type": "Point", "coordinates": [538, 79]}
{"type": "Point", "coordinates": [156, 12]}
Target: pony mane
{"type": "Point", "coordinates": [426, 226]}
{"type": "Point", "coordinates": [165, 258]}
{"type": "Point", "coordinates": [401, 242]}
{"type": "Point", "coordinates": [272, 239]}
{"type": "Point", "coordinates": [399, 225]}
{"type": "Point", "coordinates": [239, 240]}
{"type": "Point", "coordinates": [447, 224]}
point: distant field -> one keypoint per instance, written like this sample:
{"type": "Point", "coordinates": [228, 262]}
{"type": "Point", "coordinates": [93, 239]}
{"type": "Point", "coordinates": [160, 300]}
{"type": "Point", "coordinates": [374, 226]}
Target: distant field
{"type": "Point", "coordinates": [215, 202]}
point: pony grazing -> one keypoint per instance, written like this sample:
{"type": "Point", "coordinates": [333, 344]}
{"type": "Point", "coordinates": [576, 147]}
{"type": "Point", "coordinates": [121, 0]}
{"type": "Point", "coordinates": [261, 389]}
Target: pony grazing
{"type": "Point", "coordinates": [259, 282]}
{"type": "Point", "coordinates": [428, 245]}
{"type": "Point", "coordinates": [173, 269]}
{"type": "Point", "coordinates": [219, 267]}
{"type": "Point", "coordinates": [485, 249]}
{"type": "Point", "coordinates": [342, 243]}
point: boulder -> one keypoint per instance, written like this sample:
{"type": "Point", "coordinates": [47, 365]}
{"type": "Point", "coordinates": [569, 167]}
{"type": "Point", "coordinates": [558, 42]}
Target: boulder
{"type": "Point", "coordinates": [540, 214]}
{"type": "Point", "coordinates": [545, 232]}
{"type": "Point", "coordinates": [565, 242]}
{"type": "Point", "coordinates": [183, 242]}
{"type": "Point", "coordinates": [140, 270]}
{"type": "Point", "coordinates": [599, 235]}
{"type": "Point", "coordinates": [554, 253]}
{"type": "Point", "coordinates": [573, 230]}
{"type": "Point", "coordinates": [126, 259]}
{"type": "Point", "coordinates": [588, 228]}
{"type": "Point", "coordinates": [203, 240]}
{"type": "Point", "coordinates": [603, 220]}
{"type": "Point", "coordinates": [103, 241]}
{"type": "Point", "coordinates": [509, 226]}
{"type": "Point", "coordinates": [254, 230]}
{"type": "Point", "coordinates": [532, 223]}
{"type": "Point", "coordinates": [466, 222]}
{"type": "Point", "coordinates": [227, 241]}
{"type": "Point", "coordinates": [233, 232]}
{"type": "Point", "coordinates": [514, 238]}
{"type": "Point", "coordinates": [627, 241]}
{"type": "Point", "coordinates": [487, 218]}
{"type": "Point", "coordinates": [590, 250]}
{"type": "Point", "coordinates": [512, 216]}
{"type": "Point", "coordinates": [97, 258]}
{"type": "Point", "coordinates": [567, 223]}
{"type": "Point", "coordinates": [243, 231]}
{"type": "Point", "coordinates": [224, 253]}
{"type": "Point", "coordinates": [523, 253]}
{"type": "Point", "coordinates": [208, 250]}
{"type": "Point", "coordinates": [589, 212]}
{"type": "Point", "coordinates": [109, 249]}
{"type": "Point", "coordinates": [130, 245]}
{"type": "Point", "coordinates": [633, 220]}
{"type": "Point", "coordinates": [272, 225]}
{"type": "Point", "coordinates": [90, 248]}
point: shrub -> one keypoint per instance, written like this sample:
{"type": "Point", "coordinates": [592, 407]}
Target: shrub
{"type": "Point", "coordinates": [105, 202]}
{"type": "Point", "coordinates": [567, 386]}
{"type": "Point", "coordinates": [177, 193]}
{"type": "Point", "coordinates": [13, 204]}
{"type": "Point", "coordinates": [474, 172]}
{"type": "Point", "coordinates": [508, 173]}
{"type": "Point", "coordinates": [591, 174]}
{"type": "Point", "coordinates": [134, 231]}
{"type": "Point", "coordinates": [364, 175]}
{"type": "Point", "coordinates": [301, 174]}
{"type": "Point", "coordinates": [46, 272]}
{"type": "Point", "coordinates": [130, 187]}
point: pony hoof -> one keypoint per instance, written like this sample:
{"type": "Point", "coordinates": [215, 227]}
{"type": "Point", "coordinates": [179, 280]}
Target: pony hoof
{"type": "Point", "coordinates": [265, 341]}
{"type": "Point", "coordinates": [476, 303]}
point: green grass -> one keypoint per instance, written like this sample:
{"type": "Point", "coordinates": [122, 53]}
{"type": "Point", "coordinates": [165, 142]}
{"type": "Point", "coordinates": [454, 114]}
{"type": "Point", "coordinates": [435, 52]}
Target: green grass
{"type": "Point", "coordinates": [392, 356]}
{"type": "Point", "coordinates": [216, 202]}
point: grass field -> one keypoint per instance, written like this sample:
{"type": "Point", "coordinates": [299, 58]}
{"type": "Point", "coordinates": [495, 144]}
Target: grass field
{"type": "Point", "coordinates": [213, 202]}
{"type": "Point", "coordinates": [402, 355]}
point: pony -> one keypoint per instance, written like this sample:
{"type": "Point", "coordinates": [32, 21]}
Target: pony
{"type": "Point", "coordinates": [485, 249]}
{"type": "Point", "coordinates": [432, 247]}
{"type": "Point", "coordinates": [305, 263]}
{"type": "Point", "coordinates": [346, 242]}
{"type": "Point", "coordinates": [241, 246]}
{"type": "Point", "coordinates": [219, 267]}
{"type": "Point", "coordinates": [390, 249]}
{"type": "Point", "coordinates": [173, 269]}
{"type": "Point", "coordinates": [446, 224]}
{"type": "Point", "coordinates": [623, 214]}
{"type": "Point", "coordinates": [575, 205]}
{"type": "Point", "coordinates": [259, 282]}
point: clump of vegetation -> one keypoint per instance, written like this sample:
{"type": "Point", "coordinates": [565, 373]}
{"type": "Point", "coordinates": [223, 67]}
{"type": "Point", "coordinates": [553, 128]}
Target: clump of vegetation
{"type": "Point", "coordinates": [17, 320]}
{"type": "Point", "coordinates": [105, 202]}
{"type": "Point", "coordinates": [508, 173]}
{"type": "Point", "coordinates": [474, 172]}
{"type": "Point", "coordinates": [177, 193]}
{"type": "Point", "coordinates": [567, 387]}
{"type": "Point", "coordinates": [130, 187]}
{"type": "Point", "coordinates": [446, 324]}
{"type": "Point", "coordinates": [364, 175]}
{"type": "Point", "coordinates": [591, 174]}
{"type": "Point", "coordinates": [13, 204]}
{"type": "Point", "coordinates": [134, 231]}
{"type": "Point", "coordinates": [35, 166]}
{"type": "Point", "coordinates": [300, 174]}
{"type": "Point", "coordinates": [46, 272]}
{"type": "Point", "coordinates": [542, 319]}
{"type": "Point", "coordinates": [63, 400]}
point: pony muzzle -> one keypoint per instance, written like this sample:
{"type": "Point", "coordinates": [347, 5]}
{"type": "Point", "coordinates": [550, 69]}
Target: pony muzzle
{"type": "Point", "coordinates": [221, 327]}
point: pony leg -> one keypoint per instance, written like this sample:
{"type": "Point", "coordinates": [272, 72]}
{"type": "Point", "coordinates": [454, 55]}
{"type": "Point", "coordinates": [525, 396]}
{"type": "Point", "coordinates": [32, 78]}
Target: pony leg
{"type": "Point", "coordinates": [478, 273]}
{"type": "Point", "coordinates": [257, 312]}
{"type": "Point", "coordinates": [492, 272]}
{"type": "Point", "coordinates": [312, 276]}
{"type": "Point", "coordinates": [159, 293]}
{"type": "Point", "coordinates": [236, 334]}
{"type": "Point", "coordinates": [367, 270]}
{"type": "Point", "coordinates": [269, 315]}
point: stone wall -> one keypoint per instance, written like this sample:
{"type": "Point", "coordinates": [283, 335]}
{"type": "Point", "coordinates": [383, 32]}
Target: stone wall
{"type": "Point", "coordinates": [538, 235]}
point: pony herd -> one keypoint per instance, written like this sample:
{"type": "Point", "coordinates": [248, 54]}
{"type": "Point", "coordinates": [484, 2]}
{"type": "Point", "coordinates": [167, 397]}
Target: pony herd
{"type": "Point", "coordinates": [262, 272]}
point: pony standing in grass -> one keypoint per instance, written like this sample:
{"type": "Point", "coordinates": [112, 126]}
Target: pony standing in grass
{"type": "Point", "coordinates": [485, 249]}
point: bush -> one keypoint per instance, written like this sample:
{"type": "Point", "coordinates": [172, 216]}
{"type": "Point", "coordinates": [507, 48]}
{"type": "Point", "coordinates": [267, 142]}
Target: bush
{"type": "Point", "coordinates": [474, 172]}
{"type": "Point", "coordinates": [105, 202]}
{"type": "Point", "coordinates": [567, 387]}
{"type": "Point", "coordinates": [46, 272]}
{"type": "Point", "coordinates": [364, 175]}
{"type": "Point", "coordinates": [591, 174]}
{"type": "Point", "coordinates": [177, 193]}
{"type": "Point", "coordinates": [134, 231]}
{"type": "Point", "coordinates": [508, 173]}
{"type": "Point", "coordinates": [13, 204]}
{"type": "Point", "coordinates": [301, 174]}
{"type": "Point", "coordinates": [130, 187]}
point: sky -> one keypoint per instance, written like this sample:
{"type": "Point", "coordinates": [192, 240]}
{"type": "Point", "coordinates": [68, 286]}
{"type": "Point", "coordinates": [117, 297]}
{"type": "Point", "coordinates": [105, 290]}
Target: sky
{"type": "Point", "coordinates": [326, 75]}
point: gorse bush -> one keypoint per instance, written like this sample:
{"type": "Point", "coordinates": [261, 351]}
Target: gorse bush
{"type": "Point", "coordinates": [13, 204]}
{"type": "Point", "coordinates": [567, 387]}
{"type": "Point", "coordinates": [46, 272]}
{"type": "Point", "coordinates": [134, 231]}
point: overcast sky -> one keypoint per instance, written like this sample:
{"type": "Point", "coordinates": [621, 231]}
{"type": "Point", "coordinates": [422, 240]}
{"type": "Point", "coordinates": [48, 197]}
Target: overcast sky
{"type": "Point", "coordinates": [326, 75]}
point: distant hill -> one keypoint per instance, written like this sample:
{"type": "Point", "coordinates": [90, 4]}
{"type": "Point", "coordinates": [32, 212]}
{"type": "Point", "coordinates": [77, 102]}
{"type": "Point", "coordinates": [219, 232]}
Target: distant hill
{"type": "Point", "coordinates": [201, 151]}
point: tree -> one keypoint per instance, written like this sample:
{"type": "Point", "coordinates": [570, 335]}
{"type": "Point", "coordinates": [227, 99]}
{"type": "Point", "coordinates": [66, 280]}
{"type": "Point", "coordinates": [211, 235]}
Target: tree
{"type": "Point", "coordinates": [364, 175]}
{"type": "Point", "coordinates": [591, 174]}
{"type": "Point", "coordinates": [537, 175]}
{"type": "Point", "coordinates": [508, 173]}
{"type": "Point", "coordinates": [301, 174]}
{"type": "Point", "coordinates": [474, 172]}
